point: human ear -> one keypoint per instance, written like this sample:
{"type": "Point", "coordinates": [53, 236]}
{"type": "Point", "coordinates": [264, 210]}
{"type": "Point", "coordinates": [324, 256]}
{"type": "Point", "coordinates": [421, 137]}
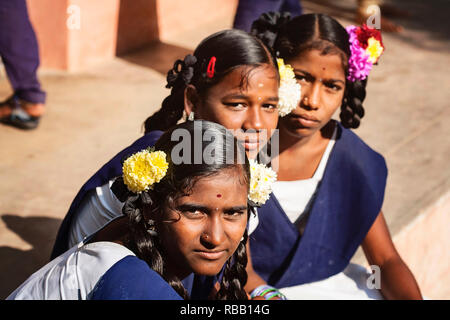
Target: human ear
{"type": "Point", "coordinates": [191, 99]}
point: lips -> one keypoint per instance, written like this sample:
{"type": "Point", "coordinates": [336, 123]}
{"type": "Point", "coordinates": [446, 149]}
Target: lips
{"type": "Point", "coordinates": [250, 144]}
{"type": "Point", "coordinates": [211, 255]}
{"type": "Point", "coordinates": [305, 120]}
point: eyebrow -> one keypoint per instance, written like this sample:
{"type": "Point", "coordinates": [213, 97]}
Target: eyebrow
{"type": "Point", "coordinates": [245, 97]}
{"type": "Point", "coordinates": [236, 96]}
{"type": "Point", "coordinates": [199, 207]}
{"type": "Point", "coordinates": [325, 80]}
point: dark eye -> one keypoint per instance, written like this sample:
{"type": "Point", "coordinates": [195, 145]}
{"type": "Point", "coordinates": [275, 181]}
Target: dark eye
{"type": "Point", "coordinates": [193, 214]}
{"type": "Point", "coordinates": [300, 77]}
{"type": "Point", "coordinates": [269, 106]}
{"type": "Point", "coordinates": [235, 105]}
{"type": "Point", "coordinates": [235, 214]}
{"type": "Point", "coordinates": [333, 86]}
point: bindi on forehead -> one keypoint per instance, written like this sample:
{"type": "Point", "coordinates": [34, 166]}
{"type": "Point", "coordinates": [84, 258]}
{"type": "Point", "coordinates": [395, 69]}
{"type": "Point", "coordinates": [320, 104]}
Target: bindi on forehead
{"type": "Point", "coordinates": [219, 195]}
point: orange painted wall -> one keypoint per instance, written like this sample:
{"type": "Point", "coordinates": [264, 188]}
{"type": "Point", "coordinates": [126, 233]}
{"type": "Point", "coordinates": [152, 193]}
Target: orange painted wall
{"type": "Point", "coordinates": [177, 16]}
{"type": "Point", "coordinates": [49, 22]}
{"type": "Point", "coordinates": [95, 40]}
{"type": "Point", "coordinates": [137, 25]}
{"type": "Point", "coordinates": [110, 27]}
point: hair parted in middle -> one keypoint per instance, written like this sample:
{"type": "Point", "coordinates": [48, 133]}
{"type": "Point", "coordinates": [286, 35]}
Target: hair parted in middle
{"type": "Point", "coordinates": [288, 38]}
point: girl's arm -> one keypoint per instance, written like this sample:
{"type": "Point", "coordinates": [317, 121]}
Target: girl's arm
{"type": "Point", "coordinates": [397, 281]}
{"type": "Point", "coordinates": [253, 280]}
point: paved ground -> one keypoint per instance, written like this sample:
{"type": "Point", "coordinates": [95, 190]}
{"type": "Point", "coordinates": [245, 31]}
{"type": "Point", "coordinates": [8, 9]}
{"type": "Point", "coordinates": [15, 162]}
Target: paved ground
{"type": "Point", "coordinates": [93, 114]}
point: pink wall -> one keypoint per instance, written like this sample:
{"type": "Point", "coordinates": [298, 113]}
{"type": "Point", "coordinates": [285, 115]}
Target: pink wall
{"type": "Point", "coordinates": [176, 16]}
{"type": "Point", "coordinates": [95, 40]}
{"type": "Point", "coordinates": [137, 26]}
{"type": "Point", "coordinates": [110, 27]}
{"type": "Point", "coordinates": [51, 32]}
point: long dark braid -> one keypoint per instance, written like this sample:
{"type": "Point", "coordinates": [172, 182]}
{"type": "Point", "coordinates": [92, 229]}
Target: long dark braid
{"type": "Point", "coordinates": [235, 275]}
{"type": "Point", "coordinates": [144, 244]}
{"type": "Point", "coordinates": [172, 106]}
{"type": "Point", "coordinates": [352, 109]}
{"type": "Point", "coordinates": [314, 31]}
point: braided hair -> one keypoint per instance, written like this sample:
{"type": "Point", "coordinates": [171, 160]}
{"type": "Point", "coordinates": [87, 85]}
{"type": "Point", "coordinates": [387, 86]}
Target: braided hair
{"type": "Point", "coordinates": [290, 37]}
{"type": "Point", "coordinates": [143, 210]}
{"type": "Point", "coordinates": [232, 48]}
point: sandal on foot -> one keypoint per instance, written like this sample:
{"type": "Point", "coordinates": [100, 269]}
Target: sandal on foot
{"type": "Point", "coordinates": [13, 114]}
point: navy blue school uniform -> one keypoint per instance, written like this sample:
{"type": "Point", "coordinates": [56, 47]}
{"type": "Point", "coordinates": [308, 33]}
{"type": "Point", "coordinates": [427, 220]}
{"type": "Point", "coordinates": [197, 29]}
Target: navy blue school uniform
{"type": "Point", "coordinates": [349, 198]}
{"type": "Point", "coordinates": [132, 279]}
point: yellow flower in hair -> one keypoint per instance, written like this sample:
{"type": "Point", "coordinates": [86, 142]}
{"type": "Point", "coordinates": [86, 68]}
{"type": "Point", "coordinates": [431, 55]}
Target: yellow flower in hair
{"type": "Point", "coordinates": [285, 70]}
{"type": "Point", "coordinates": [143, 169]}
{"type": "Point", "coordinates": [290, 91]}
{"type": "Point", "coordinates": [374, 49]}
{"type": "Point", "coordinates": [261, 180]}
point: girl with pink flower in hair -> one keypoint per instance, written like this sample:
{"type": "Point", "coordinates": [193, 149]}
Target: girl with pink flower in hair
{"type": "Point", "coordinates": [328, 198]}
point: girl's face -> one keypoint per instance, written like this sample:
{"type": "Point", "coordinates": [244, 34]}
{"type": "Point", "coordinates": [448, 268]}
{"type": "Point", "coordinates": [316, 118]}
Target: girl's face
{"type": "Point", "coordinates": [205, 227]}
{"type": "Point", "coordinates": [322, 79]}
{"type": "Point", "coordinates": [241, 105]}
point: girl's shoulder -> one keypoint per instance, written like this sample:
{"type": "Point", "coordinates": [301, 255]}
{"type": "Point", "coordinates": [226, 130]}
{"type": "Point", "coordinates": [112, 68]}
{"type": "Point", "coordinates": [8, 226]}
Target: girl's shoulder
{"type": "Point", "coordinates": [148, 139]}
{"type": "Point", "coordinates": [151, 136]}
{"type": "Point", "coordinates": [353, 148]}
{"type": "Point", "coordinates": [132, 279]}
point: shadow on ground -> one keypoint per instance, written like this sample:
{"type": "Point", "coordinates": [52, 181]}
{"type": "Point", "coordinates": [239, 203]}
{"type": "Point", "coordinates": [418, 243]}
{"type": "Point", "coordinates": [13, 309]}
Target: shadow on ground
{"type": "Point", "coordinates": [158, 56]}
{"type": "Point", "coordinates": [17, 265]}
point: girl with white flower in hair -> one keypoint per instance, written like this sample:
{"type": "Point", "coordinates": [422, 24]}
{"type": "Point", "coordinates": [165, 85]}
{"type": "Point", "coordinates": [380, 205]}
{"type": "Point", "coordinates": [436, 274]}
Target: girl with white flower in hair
{"type": "Point", "coordinates": [180, 219]}
{"type": "Point", "coordinates": [329, 194]}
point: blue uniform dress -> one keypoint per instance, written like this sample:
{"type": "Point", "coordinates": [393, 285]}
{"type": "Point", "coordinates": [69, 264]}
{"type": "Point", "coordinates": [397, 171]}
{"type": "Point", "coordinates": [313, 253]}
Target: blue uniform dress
{"type": "Point", "coordinates": [348, 200]}
{"type": "Point", "coordinates": [132, 279]}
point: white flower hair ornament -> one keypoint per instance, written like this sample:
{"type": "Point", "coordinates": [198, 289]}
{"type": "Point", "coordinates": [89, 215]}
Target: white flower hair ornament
{"type": "Point", "coordinates": [261, 180]}
{"type": "Point", "coordinates": [289, 92]}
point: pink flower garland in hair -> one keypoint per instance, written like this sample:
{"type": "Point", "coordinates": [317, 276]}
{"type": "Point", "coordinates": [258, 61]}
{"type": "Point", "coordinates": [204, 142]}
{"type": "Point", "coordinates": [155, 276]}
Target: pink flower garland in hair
{"type": "Point", "coordinates": [366, 48]}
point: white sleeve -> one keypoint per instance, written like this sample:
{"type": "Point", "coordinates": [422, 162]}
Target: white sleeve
{"type": "Point", "coordinates": [253, 222]}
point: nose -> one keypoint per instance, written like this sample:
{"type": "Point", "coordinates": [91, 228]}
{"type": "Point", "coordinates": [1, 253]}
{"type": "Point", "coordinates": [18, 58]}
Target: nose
{"type": "Point", "coordinates": [213, 234]}
{"type": "Point", "coordinates": [253, 119]}
{"type": "Point", "coordinates": [311, 97]}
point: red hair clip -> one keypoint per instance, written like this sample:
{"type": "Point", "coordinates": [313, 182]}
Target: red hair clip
{"type": "Point", "coordinates": [211, 67]}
